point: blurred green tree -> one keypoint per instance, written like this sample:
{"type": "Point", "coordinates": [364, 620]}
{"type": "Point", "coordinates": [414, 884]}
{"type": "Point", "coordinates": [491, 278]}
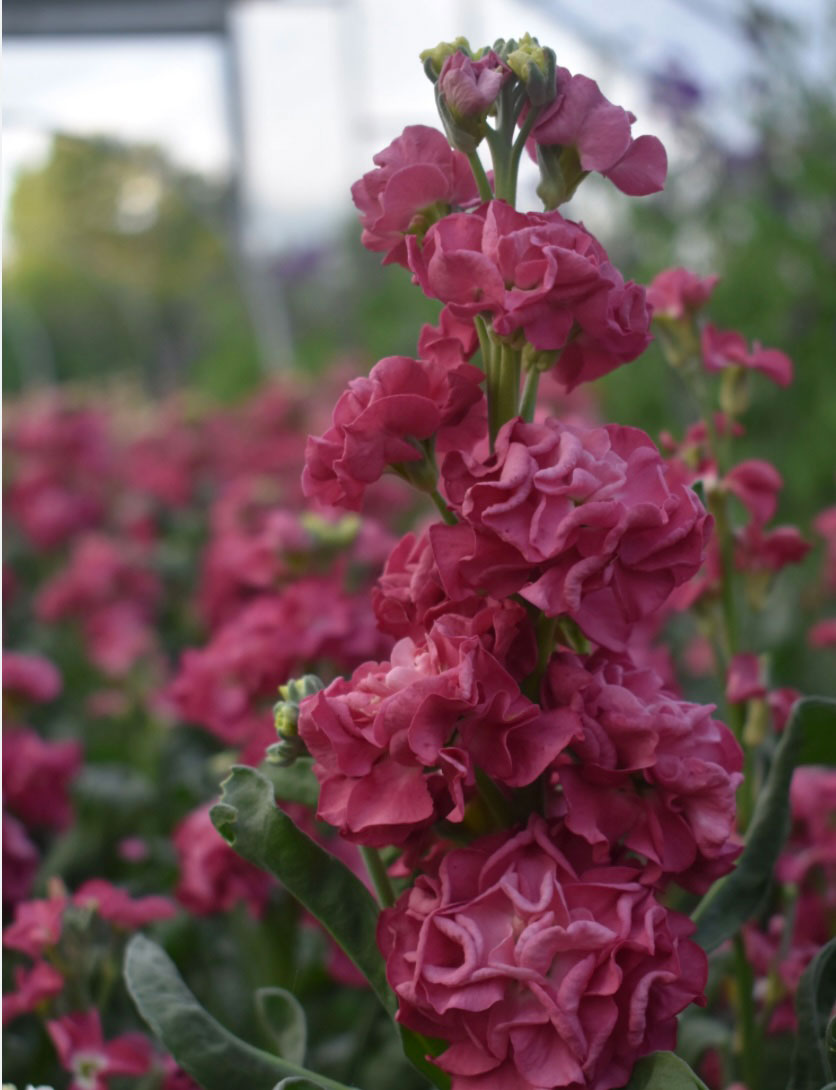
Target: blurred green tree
{"type": "Point", "coordinates": [119, 262]}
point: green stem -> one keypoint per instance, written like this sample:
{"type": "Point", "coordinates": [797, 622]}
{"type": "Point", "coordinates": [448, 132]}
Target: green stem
{"type": "Point", "coordinates": [529, 397]}
{"type": "Point", "coordinates": [507, 385]}
{"type": "Point", "coordinates": [443, 509]}
{"type": "Point", "coordinates": [482, 182]}
{"type": "Point", "coordinates": [519, 146]}
{"type": "Point", "coordinates": [546, 633]}
{"type": "Point", "coordinates": [379, 876]}
{"type": "Point", "coordinates": [750, 1045]}
{"type": "Point", "coordinates": [495, 803]}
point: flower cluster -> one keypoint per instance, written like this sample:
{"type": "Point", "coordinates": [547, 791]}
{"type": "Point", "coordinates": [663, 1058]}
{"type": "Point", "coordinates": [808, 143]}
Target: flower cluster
{"type": "Point", "coordinates": [542, 785]}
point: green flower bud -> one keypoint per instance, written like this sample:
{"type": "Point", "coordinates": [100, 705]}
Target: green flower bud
{"type": "Point", "coordinates": [536, 359]}
{"type": "Point", "coordinates": [734, 391]}
{"type": "Point", "coordinates": [433, 59]}
{"type": "Point", "coordinates": [286, 710]}
{"type": "Point", "coordinates": [560, 174]}
{"type": "Point", "coordinates": [534, 66]}
{"type": "Point", "coordinates": [336, 535]}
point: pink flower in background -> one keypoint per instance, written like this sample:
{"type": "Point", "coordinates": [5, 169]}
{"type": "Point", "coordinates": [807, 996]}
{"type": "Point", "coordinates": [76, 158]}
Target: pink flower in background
{"type": "Point", "coordinates": [581, 117]}
{"type": "Point", "coordinates": [31, 678]}
{"type": "Point", "coordinates": [90, 1059]}
{"type": "Point", "coordinates": [36, 777]}
{"type": "Point", "coordinates": [540, 274]}
{"type": "Point", "coordinates": [648, 772]}
{"type": "Point", "coordinates": [119, 908]}
{"type": "Point", "coordinates": [823, 633]}
{"type": "Point", "coordinates": [213, 877]}
{"type": "Point", "coordinates": [825, 526]}
{"type": "Point", "coordinates": [419, 178]}
{"type": "Point", "coordinates": [20, 861]}
{"type": "Point", "coordinates": [36, 926]}
{"type": "Point", "coordinates": [678, 293]}
{"type": "Point", "coordinates": [538, 974]}
{"type": "Point", "coordinates": [32, 988]}
{"type": "Point", "coordinates": [812, 841]}
{"type": "Point", "coordinates": [378, 419]}
{"type": "Point", "coordinates": [745, 679]}
{"type": "Point", "coordinates": [722, 349]}
{"type": "Point", "coordinates": [756, 484]}
{"type": "Point", "coordinates": [768, 550]}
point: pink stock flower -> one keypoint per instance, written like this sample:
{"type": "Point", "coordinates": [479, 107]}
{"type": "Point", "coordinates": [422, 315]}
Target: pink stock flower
{"type": "Point", "coordinates": [769, 550]}
{"type": "Point", "coordinates": [679, 293]}
{"type": "Point", "coordinates": [20, 861]}
{"type": "Point", "coordinates": [30, 677]}
{"type": "Point", "coordinates": [119, 908]}
{"type": "Point", "coordinates": [538, 973]}
{"type": "Point", "coordinates": [36, 777]}
{"type": "Point", "coordinates": [470, 87]}
{"type": "Point", "coordinates": [581, 117]}
{"type": "Point", "coordinates": [213, 877]}
{"type": "Point", "coordinates": [647, 772]}
{"type": "Point", "coordinates": [587, 521]}
{"type": "Point", "coordinates": [823, 633]}
{"type": "Point", "coordinates": [109, 588]}
{"type": "Point", "coordinates": [745, 679]}
{"type": "Point", "coordinates": [448, 343]}
{"type": "Point", "coordinates": [538, 273]}
{"type": "Point", "coordinates": [781, 703]}
{"type": "Point", "coordinates": [756, 484]}
{"type": "Point", "coordinates": [90, 1059]}
{"type": "Point", "coordinates": [722, 349]}
{"type": "Point", "coordinates": [36, 926]}
{"type": "Point", "coordinates": [395, 746]}
{"type": "Point", "coordinates": [378, 419]}
{"type": "Point", "coordinates": [419, 178]}
{"type": "Point", "coordinates": [221, 686]}
{"type": "Point", "coordinates": [32, 988]}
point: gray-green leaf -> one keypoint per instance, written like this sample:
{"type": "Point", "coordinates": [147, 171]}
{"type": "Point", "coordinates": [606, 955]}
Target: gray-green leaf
{"type": "Point", "coordinates": [282, 1016]}
{"type": "Point", "coordinates": [809, 738]}
{"type": "Point", "coordinates": [248, 818]}
{"type": "Point", "coordinates": [213, 1056]}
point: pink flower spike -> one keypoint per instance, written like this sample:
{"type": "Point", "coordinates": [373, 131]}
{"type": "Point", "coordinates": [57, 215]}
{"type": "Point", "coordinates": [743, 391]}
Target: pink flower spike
{"type": "Point", "coordinates": [84, 1052]}
{"type": "Point", "coordinates": [745, 679]}
{"type": "Point", "coordinates": [678, 293]}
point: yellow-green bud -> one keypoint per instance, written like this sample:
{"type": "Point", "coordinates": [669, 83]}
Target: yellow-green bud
{"type": "Point", "coordinates": [433, 59]}
{"type": "Point", "coordinates": [734, 391]}
{"type": "Point", "coordinates": [536, 359]}
{"type": "Point", "coordinates": [333, 534]}
{"type": "Point", "coordinates": [534, 66]}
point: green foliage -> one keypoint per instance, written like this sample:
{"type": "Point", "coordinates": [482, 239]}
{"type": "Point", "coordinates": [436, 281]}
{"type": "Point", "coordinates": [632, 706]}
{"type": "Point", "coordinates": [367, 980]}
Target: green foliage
{"type": "Point", "coordinates": [282, 1017]}
{"type": "Point", "coordinates": [809, 738]}
{"type": "Point", "coordinates": [663, 1071]}
{"type": "Point", "coordinates": [814, 1058]}
{"type": "Point", "coordinates": [120, 263]}
{"type": "Point", "coordinates": [247, 817]}
{"type": "Point", "coordinates": [211, 1054]}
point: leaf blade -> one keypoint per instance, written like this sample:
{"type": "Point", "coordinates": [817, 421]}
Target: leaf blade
{"type": "Point", "coordinates": [809, 738]}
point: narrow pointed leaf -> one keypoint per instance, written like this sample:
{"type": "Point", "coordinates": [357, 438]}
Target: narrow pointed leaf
{"type": "Point", "coordinates": [213, 1056]}
{"type": "Point", "coordinates": [282, 1016]}
{"type": "Point", "coordinates": [248, 818]}
{"type": "Point", "coordinates": [809, 738]}
{"type": "Point", "coordinates": [814, 1057]}
{"type": "Point", "coordinates": [664, 1071]}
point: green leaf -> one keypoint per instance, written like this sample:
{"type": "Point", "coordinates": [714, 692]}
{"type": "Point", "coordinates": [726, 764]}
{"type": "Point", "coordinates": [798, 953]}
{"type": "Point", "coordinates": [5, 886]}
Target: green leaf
{"type": "Point", "coordinates": [248, 818]}
{"type": "Point", "coordinates": [295, 783]}
{"type": "Point", "coordinates": [296, 1083]}
{"type": "Point", "coordinates": [212, 1055]}
{"type": "Point", "coordinates": [282, 1016]}
{"type": "Point", "coordinates": [809, 738]}
{"type": "Point", "coordinates": [663, 1071]}
{"type": "Point", "coordinates": [814, 1058]}
{"type": "Point", "coordinates": [699, 1032]}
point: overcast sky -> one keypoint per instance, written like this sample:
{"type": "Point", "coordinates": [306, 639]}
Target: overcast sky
{"type": "Point", "coordinates": [323, 85]}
